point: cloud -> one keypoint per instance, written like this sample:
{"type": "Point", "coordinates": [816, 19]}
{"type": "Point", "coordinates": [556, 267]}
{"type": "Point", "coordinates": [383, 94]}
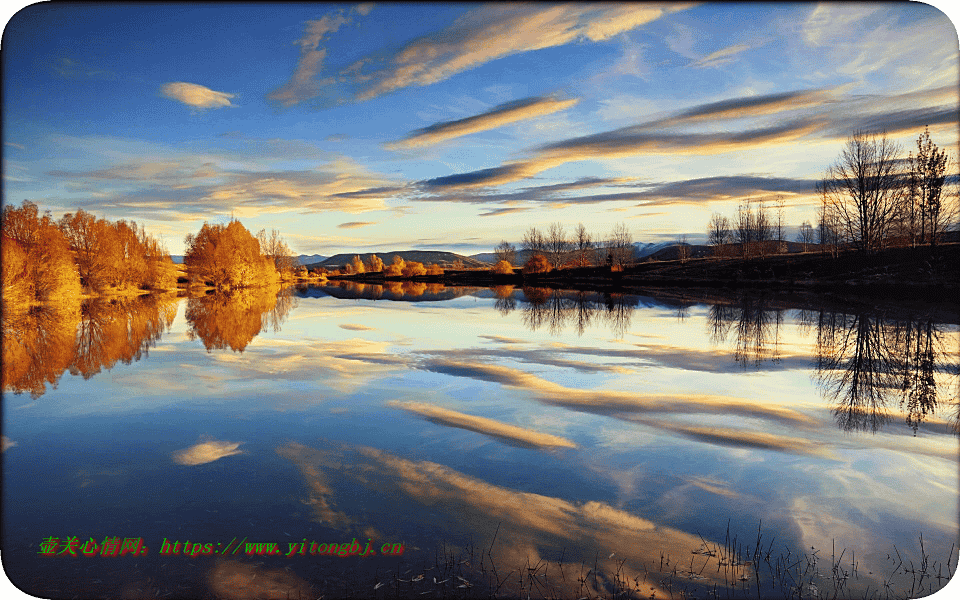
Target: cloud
{"type": "Point", "coordinates": [156, 182]}
{"type": "Point", "coordinates": [504, 114]}
{"type": "Point", "coordinates": [303, 84]}
{"type": "Point", "coordinates": [495, 31]}
{"type": "Point", "coordinates": [830, 22]}
{"type": "Point", "coordinates": [72, 69]}
{"type": "Point", "coordinates": [206, 452]}
{"type": "Point", "coordinates": [720, 57]}
{"type": "Point", "coordinates": [822, 113]}
{"type": "Point", "coordinates": [496, 212]}
{"type": "Point", "coordinates": [614, 402]}
{"type": "Point", "coordinates": [522, 524]}
{"type": "Point", "coordinates": [509, 433]}
{"type": "Point", "coordinates": [355, 327]}
{"type": "Point", "coordinates": [195, 95]}
{"type": "Point", "coordinates": [364, 8]}
{"type": "Point", "coordinates": [355, 224]}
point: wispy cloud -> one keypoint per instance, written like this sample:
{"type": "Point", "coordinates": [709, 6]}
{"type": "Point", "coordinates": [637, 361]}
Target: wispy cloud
{"type": "Point", "coordinates": [303, 84]}
{"type": "Point", "coordinates": [823, 113]}
{"type": "Point", "coordinates": [495, 31]}
{"type": "Point", "coordinates": [69, 68]}
{"type": "Point", "coordinates": [720, 57]}
{"type": "Point", "coordinates": [196, 96]}
{"type": "Point", "coordinates": [152, 181]}
{"type": "Point", "coordinates": [509, 433]}
{"type": "Point", "coordinates": [355, 224]}
{"type": "Point", "coordinates": [504, 114]}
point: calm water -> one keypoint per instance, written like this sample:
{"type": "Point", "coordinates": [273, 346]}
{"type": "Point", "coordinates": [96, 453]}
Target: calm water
{"type": "Point", "coordinates": [557, 443]}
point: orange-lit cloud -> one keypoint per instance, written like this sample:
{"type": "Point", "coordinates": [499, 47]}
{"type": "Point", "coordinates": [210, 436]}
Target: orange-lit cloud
{"type": "Point", "coordinates": [504, 114]}
{"type": "Point", "coordinates": [354, 224]}
{"type": "Point", "coordinates": [497, 30]}
{"type": "Point", "coordinates": [616, 402]}
{"type": "Point", "coordinates": [196, 96]}
{"type": "Point", "coordinates": [206, 452]}
{"type": "Point", "coordinates": [490, 427]}
{"type": "Point", "coordinates": [526, 525]}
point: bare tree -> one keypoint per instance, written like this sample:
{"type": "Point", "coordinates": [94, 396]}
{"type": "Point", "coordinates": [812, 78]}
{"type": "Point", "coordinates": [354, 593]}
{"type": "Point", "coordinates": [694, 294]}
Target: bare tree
{"type": "Point", "coordinates": [557, 244]}
{"type": "Point", "coordinates": [533, 241]}
{"type": "Point", "coordinates": [743, 229]}
{"type": "Point", "coordinates": [583, 245]}
{"type": "Point", "coordinates": [718, 233]}
{"type": "Point", "coordinates": [505, 251]}
{"type": "Point", "coordinates": [781, 246]}
{"type": "Point", "coordinates": [275, 248]}
{"type": "Point", "coordinates": [924, 205]}
{"type": "Point", "coordinates": [806, 235]}
{"type": "Point", "coordinates": [864, 190]}
{"type": "Point", "coordinates": [762, 228]}
{"type": "Point", "coordinates": [683, 249]}
{"type": "Point", "coordinates": [621, 246]}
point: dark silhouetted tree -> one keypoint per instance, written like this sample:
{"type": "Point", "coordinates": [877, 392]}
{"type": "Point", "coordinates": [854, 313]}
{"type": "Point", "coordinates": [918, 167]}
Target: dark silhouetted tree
{"type": "Point", "coordinates": [865, 189]}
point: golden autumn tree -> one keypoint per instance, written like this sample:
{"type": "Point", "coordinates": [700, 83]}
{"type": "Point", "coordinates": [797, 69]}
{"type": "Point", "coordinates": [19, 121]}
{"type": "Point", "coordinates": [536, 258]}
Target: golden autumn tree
{"type": "Point", "coordinates": [503, 268]}
{"type": "Point", "coordinates": [538, 263]}
{"type": "Point", "coordinates": [396, 268]}
{"type": "Point", "coordinates": [275, 248]}
{"type": "Point", "coordinates": [47, 265]}
{"type": "Point", "coordinates": [228, 257]}
{"type": "Point", "coordinates": [374, 264]}
{"type": "Point", "coordinates": [357, 265]}
{"type": "Point", "coordinates": [413, 269]}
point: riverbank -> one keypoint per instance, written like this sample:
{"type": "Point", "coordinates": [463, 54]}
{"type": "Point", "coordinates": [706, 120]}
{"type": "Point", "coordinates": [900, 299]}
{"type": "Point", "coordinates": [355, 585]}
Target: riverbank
{"type": "Point", "coordinates": [927, 270]}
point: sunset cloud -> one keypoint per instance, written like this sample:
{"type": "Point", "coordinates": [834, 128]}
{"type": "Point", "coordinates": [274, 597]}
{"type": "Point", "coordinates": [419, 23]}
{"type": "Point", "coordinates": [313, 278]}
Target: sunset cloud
{"type": "Point", "coordinates": [504, 114]}
{"type": "Point", "coordinates": [509, 433]}
{"type": "Point", "coordinates": [498, 30]}
{"type": "Point", "coordinates": [206, 452]}
{"type": "Point", "coordinates": [354, 224]}
{"type": "Point", "coordinates": [196, 96]}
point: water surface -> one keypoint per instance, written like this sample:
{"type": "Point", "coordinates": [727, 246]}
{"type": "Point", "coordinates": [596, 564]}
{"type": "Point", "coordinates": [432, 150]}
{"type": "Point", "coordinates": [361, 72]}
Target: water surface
{"type": "Point", "coordinates": [639, 441]}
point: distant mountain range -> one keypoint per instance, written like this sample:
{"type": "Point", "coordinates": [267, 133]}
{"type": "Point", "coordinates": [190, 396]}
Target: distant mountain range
{"type": "Point", "coordinates": [305, 259]}
{"type": "Point", "coordinates": [446, 259]}
{"type": "Point", "coordinates": [427, 257]}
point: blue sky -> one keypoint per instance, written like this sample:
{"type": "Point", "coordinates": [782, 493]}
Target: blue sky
{"type": "Point", "coordinates": [375, 127]}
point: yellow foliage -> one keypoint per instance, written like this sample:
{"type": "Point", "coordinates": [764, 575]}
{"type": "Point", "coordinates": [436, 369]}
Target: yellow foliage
{"type": "Point", "coordinates": [537, 264]}
{"type": "Point", "coordinates": [413, 269]}
{"type": "Point", "coordinates": [503, 268]}
{"type": "Point", "coordinates": [434, 269]}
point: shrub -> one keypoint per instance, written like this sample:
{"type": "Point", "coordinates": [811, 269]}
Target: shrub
{"type": "Point", "coordinates": [413, 268]}
{"type": "Point", "coordinates": [503, 268]}
{"type": "Point", "coordinates": [537, 264]}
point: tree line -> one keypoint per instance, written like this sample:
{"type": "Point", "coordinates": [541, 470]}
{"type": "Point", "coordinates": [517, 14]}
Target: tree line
{"type": "Point", "coordinates": [46, 259]}
{"type": "Point", "coordinates": [553, 248]}
{"type": "Point", "coordinates": [870, 198]}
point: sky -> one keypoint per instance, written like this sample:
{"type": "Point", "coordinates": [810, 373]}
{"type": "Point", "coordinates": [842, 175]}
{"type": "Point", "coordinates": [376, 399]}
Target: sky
{"type": "Point", "coordinates": [378, 127]}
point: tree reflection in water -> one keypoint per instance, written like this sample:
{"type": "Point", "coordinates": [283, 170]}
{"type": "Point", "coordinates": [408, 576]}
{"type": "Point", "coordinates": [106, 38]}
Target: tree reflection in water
{"type": "Point", "coordinates": [232, 320]}
{"type": "Point", "coordinates": [757, 327]}
{"type": "Point", "coordinates": [556, 308]}
{"type": "Point", "coordinates": [38, 345]}
{"type": "Point", "coordinates": [864, 361]}
{"type": "Point", "coordinates": [41, 342]}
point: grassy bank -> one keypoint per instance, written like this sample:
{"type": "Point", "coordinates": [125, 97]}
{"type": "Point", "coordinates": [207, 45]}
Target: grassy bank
{"type": "Point", "coordinates": [893, 270]}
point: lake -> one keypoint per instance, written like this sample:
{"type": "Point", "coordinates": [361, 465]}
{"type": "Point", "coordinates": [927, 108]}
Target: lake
{"type": "Point", "coordinates": [481, 441]}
